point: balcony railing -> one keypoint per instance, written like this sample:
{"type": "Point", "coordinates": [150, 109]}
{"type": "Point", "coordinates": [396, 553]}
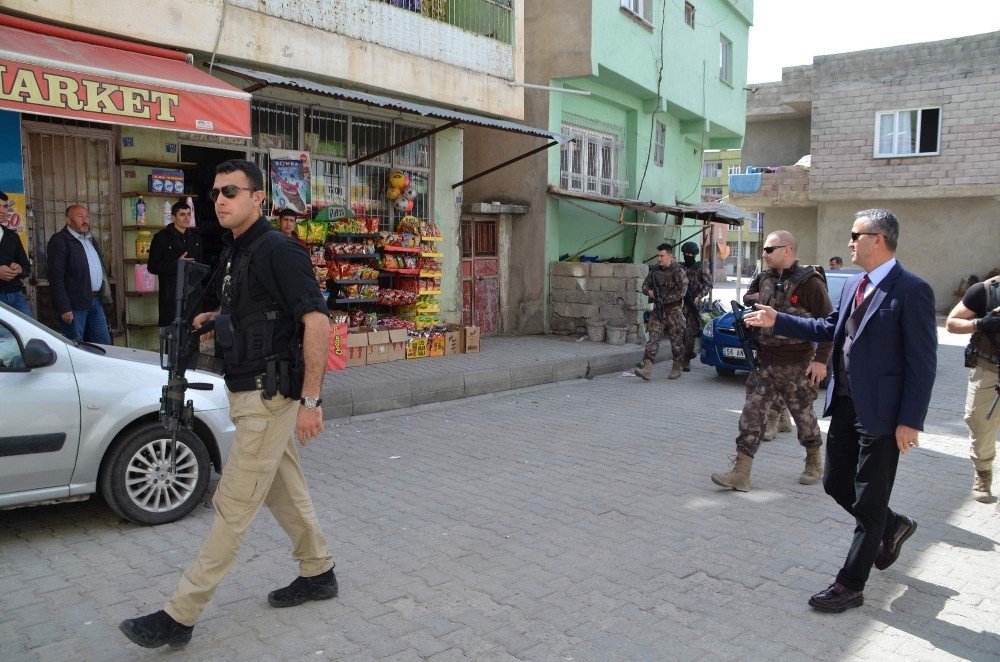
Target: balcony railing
{"type": "Point", "coordinates": [489, 18]}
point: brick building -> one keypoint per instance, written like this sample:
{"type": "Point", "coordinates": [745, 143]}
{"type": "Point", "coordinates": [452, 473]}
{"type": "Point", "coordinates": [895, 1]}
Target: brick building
{"type": "Point", "coordinates": [913, 128]}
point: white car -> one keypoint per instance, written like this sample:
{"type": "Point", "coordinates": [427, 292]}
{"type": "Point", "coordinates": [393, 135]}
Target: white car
{"type": "Point", "coordinates": [78, 418]}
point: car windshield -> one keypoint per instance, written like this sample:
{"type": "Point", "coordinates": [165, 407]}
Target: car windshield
{"type": "Point", "coordinates": [90, 347]}
{"type": "Point", "coordinates": [835, 283]}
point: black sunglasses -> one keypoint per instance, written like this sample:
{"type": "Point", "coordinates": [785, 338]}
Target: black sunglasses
{"type": "Point", "coordinates": [771, 249]}
{"type": "Point", "coordinates": [855, 235]}
{"type": "Point", "coordinates": [229, 190]}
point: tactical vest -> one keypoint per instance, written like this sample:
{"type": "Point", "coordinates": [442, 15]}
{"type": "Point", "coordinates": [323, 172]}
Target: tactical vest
{"type": "Point", "coordinates": [259, 341]}
{"type": "Point", "coordinates": [692, 275]}
{"type": "Point", "coordinates": [780, 294]}
{"type": "Point", "coordinates": [980, 341]}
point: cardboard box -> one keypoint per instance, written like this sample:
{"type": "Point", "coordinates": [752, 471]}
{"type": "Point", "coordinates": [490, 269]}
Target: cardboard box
{"type": "Point", "coordinates": [397, 344]}
{"type": "Point", "coordinates": [378, 347]}
{"type": "Point", "coordinates": [452, 342]}
{"type": "Point", "coordinates": [416, 348]}
{"type": "Point", "coordinates": [357, 346]}
{"type": "Point", "coordinates": [436, 345]}
{"type": "Point", "coordinates": [166, 181]}
{"type": "Point", "coordinates": [470, 340]}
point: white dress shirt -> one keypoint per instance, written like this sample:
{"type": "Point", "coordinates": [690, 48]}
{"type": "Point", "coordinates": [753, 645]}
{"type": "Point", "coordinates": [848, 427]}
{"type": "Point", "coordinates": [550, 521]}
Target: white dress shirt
{"type": "Point", "coordinates": [878, 274]}
{"type": "Point", "coordinates": [93, 259]}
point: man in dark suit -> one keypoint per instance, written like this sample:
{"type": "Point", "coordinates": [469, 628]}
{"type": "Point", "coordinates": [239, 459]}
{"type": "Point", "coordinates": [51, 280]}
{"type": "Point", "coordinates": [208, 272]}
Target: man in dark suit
{"type": "Point", "coordinates": [77, 280]}
{"type": "Point", "coordinates": [175, 242]}
{"type": "Point", "coordinates": [884, 358]}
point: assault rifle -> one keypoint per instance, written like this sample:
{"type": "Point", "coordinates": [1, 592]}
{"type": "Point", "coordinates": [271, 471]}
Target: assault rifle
{"type": "Point", "coordinates": [179, 352]}
{"type": "Point", "coordinates": [746, 340]}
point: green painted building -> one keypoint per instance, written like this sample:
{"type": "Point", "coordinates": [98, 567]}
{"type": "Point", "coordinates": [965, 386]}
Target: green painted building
{"type": "Point", "coordinates": [665, 82]}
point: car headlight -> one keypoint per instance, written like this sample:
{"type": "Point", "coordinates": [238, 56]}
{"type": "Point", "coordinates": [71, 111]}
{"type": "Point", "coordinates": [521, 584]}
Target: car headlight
{"type": "Point", "coordinates": [709, 330]}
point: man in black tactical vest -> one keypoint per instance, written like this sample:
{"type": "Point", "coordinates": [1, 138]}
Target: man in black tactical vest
{"type": "Point", "coordinates": [790, 369]}
{"type": "Point", "coordinates": [272, 332]}
{"type": "Point", "coordinates": [978, 313]}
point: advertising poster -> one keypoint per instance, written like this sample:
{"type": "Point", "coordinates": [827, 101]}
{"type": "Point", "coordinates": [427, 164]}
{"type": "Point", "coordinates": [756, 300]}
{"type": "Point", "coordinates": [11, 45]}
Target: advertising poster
{"type": "Point", "coordinates": [12, 175]}
{"type": "Point", "coordinates": [291, 181]}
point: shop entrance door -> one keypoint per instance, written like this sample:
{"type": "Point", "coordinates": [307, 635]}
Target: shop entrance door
{"type": "Point", "coordinates": [480, 274]}
{"type": "Point", "coordinates": [68, 165]}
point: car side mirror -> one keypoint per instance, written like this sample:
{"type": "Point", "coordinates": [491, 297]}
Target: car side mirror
{"type": "Point", "coordinates": [38, 355]}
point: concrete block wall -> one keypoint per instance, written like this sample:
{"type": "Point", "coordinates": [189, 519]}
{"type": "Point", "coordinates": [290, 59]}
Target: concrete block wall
{"type": "Point", "coordinates": [961, 76]}
{"type": "Point", "coordinates": [582, 291]}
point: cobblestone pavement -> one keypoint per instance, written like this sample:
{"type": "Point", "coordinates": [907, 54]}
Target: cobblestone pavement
{"type": "Point", "coordinates": [573, 521]}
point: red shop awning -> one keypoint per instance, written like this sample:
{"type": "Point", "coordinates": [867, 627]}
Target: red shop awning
{"type": "Point", "coordinates": [47, 70]}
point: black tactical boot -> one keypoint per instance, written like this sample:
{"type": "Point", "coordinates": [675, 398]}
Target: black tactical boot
{"type": "Point", "coordinates": [155, 630]}
{"type": "Point", "coordinates": [303, 589]}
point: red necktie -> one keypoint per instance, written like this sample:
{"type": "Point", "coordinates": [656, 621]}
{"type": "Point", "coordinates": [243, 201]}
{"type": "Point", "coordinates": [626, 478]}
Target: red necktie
{"type": "Point", "coordinates": [859, 296]}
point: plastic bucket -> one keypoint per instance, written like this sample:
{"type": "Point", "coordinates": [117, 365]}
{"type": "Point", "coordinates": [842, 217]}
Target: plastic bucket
{"type": "Point", "coordinates": [595, 330]}
{"type": "Point", "coordinates": [617, 334]}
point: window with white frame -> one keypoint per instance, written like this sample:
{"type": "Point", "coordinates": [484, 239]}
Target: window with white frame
{"type": "Point", "coordinates": [593, 162]}
{"type": "Point", "coordinates": [711, 169]}
{"type": "Point", "coordinates": [911, 132]}
{"type": "Point", "coordinates": [711, 193]}
{"type": "Point", "coordinates": [725, 59]}
{"type": "Point", "coordinates": [757, 222]}
{"type": "Point", "coordinates": [735, 169]}
{"type": "Point", "coordinates": [641, 8]}
{"type": "Point", "coordinates": [659, 142]}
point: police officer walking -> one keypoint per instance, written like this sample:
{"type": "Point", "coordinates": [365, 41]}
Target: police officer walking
{"type": "Point", "coordinates": [699, 285]}
{"type": "Point", "coordinates": [790, 369]}
{"type": "Point", "coordinates": [272, 332]}
{"type": "Point", "coordinates": [978, 313]}
{"type": "Point", "coordinates": [667, 284]}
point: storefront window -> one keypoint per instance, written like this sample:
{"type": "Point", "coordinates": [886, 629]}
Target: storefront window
{"type": "Point", "coordinates": [274, 125]}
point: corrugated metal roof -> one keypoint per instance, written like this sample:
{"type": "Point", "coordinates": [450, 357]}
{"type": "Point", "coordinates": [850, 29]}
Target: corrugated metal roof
{"type": "Point", "coordinates": [304, 85]}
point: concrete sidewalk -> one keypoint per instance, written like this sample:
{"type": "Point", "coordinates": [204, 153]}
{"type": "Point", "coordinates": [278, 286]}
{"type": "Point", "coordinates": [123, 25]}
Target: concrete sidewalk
{"type": "Point", "coordinates": [503, 364]}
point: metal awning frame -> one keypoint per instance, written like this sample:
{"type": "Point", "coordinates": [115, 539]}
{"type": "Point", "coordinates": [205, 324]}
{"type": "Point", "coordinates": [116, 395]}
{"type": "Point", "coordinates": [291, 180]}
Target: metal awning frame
{"type": "Point", "coordinates": [708, 213]}
{"type": "Point", "coordinates": [263, 79]}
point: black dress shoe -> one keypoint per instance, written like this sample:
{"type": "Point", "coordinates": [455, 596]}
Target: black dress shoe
{"type": "Point", "coordinates": [836, 598]}
{"type": "Point", "coordinates": [155, 630]}
{"type": "Point", "coordinates": [892, 544]}
{"type": "Point", "coordinates": [303, 589]}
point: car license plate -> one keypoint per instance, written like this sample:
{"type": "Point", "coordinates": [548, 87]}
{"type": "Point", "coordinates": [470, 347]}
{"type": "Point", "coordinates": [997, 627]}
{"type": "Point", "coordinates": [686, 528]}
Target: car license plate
{"type": "Point", "coordinates": [733, 352]}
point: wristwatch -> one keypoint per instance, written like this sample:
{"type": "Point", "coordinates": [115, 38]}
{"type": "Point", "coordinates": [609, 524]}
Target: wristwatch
{"type": "Point", "coordinates": [975, 325]}
{"type": "Point", "coordinates": [311, 403]}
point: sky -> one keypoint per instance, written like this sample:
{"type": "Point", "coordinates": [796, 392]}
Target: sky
{"type": "Point", "coordinates": [787, 33]}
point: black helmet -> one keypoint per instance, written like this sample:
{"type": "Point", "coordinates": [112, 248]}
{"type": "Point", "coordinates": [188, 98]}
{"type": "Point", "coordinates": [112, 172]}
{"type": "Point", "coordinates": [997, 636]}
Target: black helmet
{"type": "Point", "coordinates": [690, 247]}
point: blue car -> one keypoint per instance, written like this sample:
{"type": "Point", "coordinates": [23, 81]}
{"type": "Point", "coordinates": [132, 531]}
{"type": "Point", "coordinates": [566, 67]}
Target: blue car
{"type": "Point", "coordinates": [721, 348]}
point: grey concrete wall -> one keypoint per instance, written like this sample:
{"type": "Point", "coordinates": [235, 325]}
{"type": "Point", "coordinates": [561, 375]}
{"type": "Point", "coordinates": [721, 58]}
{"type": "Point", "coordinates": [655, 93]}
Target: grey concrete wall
{"type": "Point", "coordinates": [801, 222]}
{"type": "Point", "coordinates": [546, 59]}
{"type": "Point", "coordinates": [776, 142]}
{"type": "Point", "coordinates": [942, 241]}
{"type": "Point", "coordinates": [961, 76]}
{"type": "Point", "coordinates": [583, 291]}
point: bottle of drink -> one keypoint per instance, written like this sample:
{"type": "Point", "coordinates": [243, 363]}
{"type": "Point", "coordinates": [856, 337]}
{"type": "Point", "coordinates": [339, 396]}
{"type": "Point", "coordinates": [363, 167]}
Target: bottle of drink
{"type": "Point", "coordinates": [140, 211]}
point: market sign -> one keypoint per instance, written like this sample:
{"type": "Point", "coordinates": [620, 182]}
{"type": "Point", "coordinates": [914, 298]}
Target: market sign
{"type": "Point", "coordinates": [51, 75]}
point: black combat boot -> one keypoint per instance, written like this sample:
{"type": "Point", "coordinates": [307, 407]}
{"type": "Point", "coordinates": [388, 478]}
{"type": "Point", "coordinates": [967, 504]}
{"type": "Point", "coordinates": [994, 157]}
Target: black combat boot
{"type": "Point", "coordinates": [303, 589]}
{"type": "Point", "coordinates": [155, 630]}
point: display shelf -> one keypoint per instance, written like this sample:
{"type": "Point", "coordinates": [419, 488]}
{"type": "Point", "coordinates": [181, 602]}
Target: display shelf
{"type": "Point", "coordinates": [149, 325]}
{"type": "Point", "coordinates": [432, 255]}
{"type": "Point", "coordinates": [153, 194]}
{"type": "Point", "coordinates": [402, 272]}
{"type": "Point", "coordinates": [361, 235]}
{"type": "Point", "coordinates": [430, 274]}
{"type": "Point", "coordinates": [429, 293]}
{"type": "Point", "coordinates": [432, 239]}
{"type": "Point", "coordinates": [132, 260]}
{"type": "Point", "coordinates": [134, 295]}
{"type": "Point", "coordinates": [152, 163]}
{"type": "Point", "coordinates": [356, 300]}
{"type": "Point", "coordinates": [346, 256]}
{"type": "Point", "coordinates": [402, 249]}
{"type": "Point", "coordinates": [370, 281]}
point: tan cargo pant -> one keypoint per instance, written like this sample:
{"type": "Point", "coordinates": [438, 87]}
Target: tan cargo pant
{"type": "Point", "coordinates": [263, 468]}
{"type": "Point", "coordinates": [978, 400]}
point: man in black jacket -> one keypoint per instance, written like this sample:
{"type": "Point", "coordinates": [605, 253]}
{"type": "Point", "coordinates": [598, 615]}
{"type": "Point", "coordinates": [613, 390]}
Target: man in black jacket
{"type": "Point", "coordinates": [175, 242]}
{"type": "Point", "coordinates": [77, 280]}
{"type": "Point", "coordinates": [14, 265]}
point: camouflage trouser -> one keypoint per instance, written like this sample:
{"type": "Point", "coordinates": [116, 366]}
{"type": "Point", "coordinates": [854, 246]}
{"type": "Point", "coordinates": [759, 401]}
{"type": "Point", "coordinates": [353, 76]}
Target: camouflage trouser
{"type": "Point", "coordinates": [674, 327]}
{"type": "Point", "coordinates": [693, 333]}
{"type": "Point", "coordinates": [790, 383]}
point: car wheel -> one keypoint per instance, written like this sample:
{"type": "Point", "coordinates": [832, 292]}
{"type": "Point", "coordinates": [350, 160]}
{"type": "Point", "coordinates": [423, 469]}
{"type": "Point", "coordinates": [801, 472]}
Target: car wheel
{"type": "Point", "coordinates": [136, 480]}
{"type": "Point", "coordinates": [724, 372]}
